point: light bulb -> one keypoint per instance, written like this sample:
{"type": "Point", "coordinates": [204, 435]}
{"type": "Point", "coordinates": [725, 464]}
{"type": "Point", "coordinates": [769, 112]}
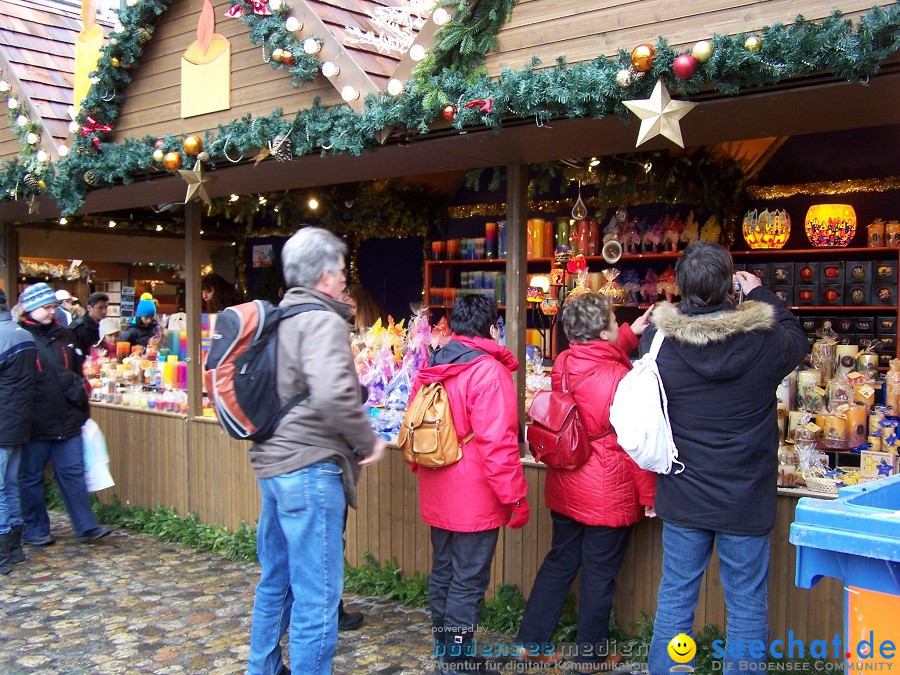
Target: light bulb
{"type": "Point", "coordinates": [73, 126]}
{"type": "Point", "coordinates": [275, 4]}
{"type": "Point", "coordinates": [313, 203]}
{"type": "Point", "coordinates": [395, 87]}
{"type": "Point", "coordinates": [159, 228]}
{"type": "Point", "coordinates": [349, 93]}
{"type": "Point", "coordinates": [440, 16]}
{"type": "Point", "coordinates": [112, 223]}
{"type": "Point", "coordinates": [233, 198]}
{"type": "Point", "coordinates": [417, 52]}
{"type": "Point", "coordinates": [12, 103]}
{"type": "Point", "coordinates": [72, 111]}
{"type": "Point", "coordinates": [311, 46]}
{"type": "Point", "coordinates": [330, 69]}
{"type": "Point", "coordinates": [42, 156]}
{"type": "Point", "coordinates": [293, 24]}
{"type": "Point", "coordinates": [32, 138]}
{"type": "Point", "coordinates": [4, 86]}
{"type": "Point", "coordinates": [63, 150]}
{"type": "Point", "coordinates": [22, 120]}
{"type": "Point", "coordinates": [63, 221]}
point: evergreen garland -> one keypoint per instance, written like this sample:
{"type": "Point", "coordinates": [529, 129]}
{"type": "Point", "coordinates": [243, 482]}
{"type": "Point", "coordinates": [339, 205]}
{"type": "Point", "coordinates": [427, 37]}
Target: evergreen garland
{"type": "Point", "coordinates": [589, 88]}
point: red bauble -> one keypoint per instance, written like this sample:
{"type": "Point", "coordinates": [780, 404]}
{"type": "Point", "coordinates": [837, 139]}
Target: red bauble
{"type": "Point", "coordinates": [449, 112]}
{"type": "Point", "coordinates": [158, 143]}
{"type": "Point", "coordinates": [806, 273]}
{"type": "Point", "coordinates": [831, 296]}
{"type": "Point", "coordinates": [684, 66]}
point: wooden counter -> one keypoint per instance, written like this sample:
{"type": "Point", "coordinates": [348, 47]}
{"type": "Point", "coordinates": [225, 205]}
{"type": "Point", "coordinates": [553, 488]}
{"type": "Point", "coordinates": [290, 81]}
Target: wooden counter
{"type": "Point", "coordinates": [192, 465]}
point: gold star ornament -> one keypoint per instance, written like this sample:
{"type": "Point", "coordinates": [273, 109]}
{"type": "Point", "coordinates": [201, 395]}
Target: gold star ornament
{"type": "Point", "coordinates": [659, 115]}
{"type": "Point", "coordinates": [197, 182]}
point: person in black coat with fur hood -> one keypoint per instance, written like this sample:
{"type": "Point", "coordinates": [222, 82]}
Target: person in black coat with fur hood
{"type": "Point", "coordinates": [720, 363]}
{"type": "Point", "coordinates": [60, 409]}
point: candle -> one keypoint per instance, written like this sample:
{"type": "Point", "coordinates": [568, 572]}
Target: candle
{"type": "Point", "coordinates": [845, 358]}
{"type": "Point", "coordinates": [537, 233]}
{"type": "Point", "coordinates": [490, 240]}
{"type": "Point", "coordinates": [562, 232]}
{"type": "Point", "coordinates": [864, 395]}
{"type": "Point", "coordinates": [807, 380]}
{"type": "Point", "coordinates": [856, 424]}
{"type": "Point", "coordinates": [867, 362]}
{"type": "Point", "coordinates": [593, 237]}
{"type": "Point", "coordinates": [548, 239]}
{"type": "Point", "coordinates": [182, 346]}
{"type": "Point", "coordinates": [501, 239]}
{"type": "Point", "coordinates": [834, 434]}
{"type": "Point", "coordinates": [122, 350]}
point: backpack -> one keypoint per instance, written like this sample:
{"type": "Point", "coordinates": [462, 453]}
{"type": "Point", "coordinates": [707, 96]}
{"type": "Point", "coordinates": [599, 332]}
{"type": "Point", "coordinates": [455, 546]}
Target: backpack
{"type": "Point", "coordinates": [241, 370]}
{"type": "Point", "coordinates": [640, 415]}
{"type": "Point", "coordinates": [427, 436]}
{"type": "Point", "coordinates": [557, 436]}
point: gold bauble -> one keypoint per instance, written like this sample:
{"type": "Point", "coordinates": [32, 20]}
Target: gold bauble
{"type": "Point", "coordinates": [753, 43]}
{"type": "Point", "coordinates": [277, 55]}
{"type": "Point", "coordinates": [702, 51]}
{"type": "Point", "coordinates": [114, 62]}
{"type": "Point", "coordinates": [158, 155]}
{"type": "Point", "coordinates": [192, 145]}
{"type": "Point", "coordinates": [172, 161]}
{"type": "Point", "coordinates": [642, 57]}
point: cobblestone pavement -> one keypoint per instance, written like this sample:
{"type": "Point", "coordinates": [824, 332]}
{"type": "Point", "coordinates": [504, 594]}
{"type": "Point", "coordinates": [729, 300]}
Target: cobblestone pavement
{"type": "Point", "coordinates": [134, 604]}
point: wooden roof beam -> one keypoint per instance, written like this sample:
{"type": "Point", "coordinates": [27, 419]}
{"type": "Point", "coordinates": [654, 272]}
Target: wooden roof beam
{"type": "Point", "coordinates": [9, 74]}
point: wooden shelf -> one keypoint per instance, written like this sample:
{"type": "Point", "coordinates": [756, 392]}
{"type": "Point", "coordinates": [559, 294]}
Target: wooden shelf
{"type": "Point", "coordinates": [824, 252]}
{"type": "Point", "coordinates": [843, 308]}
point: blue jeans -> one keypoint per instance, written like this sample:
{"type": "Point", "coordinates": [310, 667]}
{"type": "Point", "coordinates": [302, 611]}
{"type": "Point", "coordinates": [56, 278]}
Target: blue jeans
{"type": "Point", "coordinates": [299, 543]}
{"type": "Point", "coordinates": [744, 572]}
{"type": "Point", "coordinates": [10, 506]}
{"type": "Point", "coordinates": [68, 468]}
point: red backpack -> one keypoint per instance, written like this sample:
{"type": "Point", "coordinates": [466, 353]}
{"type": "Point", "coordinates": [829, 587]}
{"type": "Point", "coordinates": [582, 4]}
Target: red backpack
{"type": "Point", "coordinates": [557, 436]}
{"type": "Point", "coordinates": [241, 370]}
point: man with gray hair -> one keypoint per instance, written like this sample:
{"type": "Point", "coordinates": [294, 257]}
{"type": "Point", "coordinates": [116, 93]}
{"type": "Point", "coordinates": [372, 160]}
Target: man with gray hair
{"type": "Point", "coordinates": [17, 374]}
{"type": "Point", "coordinates": [307, 471]}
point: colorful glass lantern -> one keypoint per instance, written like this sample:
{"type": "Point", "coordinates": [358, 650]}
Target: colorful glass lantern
{"type": "Point", "coordinates": [538, 287]}
{"type": "Point", "coordinates": [830, 224]}
{"type": "Point", "coordinates": [769, 229]}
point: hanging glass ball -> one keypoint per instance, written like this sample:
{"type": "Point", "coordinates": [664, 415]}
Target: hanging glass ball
{"type": "Point", "coordinates": [624, 78]}
{"type": "Point", "coordinates": [642, 57]}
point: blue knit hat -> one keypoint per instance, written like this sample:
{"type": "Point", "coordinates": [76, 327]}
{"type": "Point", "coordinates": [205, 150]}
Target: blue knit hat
{"type": "Point", "coordinates": [145, 308]}
{"type": "Point", "coordinates": [37, 295]}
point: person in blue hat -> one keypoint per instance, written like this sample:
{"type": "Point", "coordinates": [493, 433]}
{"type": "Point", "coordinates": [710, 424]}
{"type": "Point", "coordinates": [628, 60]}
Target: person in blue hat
{"type": "Point", "coordinates": [143, 325]}
{"type": "Point", "coordinates": [60, 409]}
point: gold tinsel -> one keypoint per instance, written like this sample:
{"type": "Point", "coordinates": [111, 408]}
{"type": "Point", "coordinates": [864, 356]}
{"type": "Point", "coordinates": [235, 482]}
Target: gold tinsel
{"type": "Point", "coordinates": [824, 188]}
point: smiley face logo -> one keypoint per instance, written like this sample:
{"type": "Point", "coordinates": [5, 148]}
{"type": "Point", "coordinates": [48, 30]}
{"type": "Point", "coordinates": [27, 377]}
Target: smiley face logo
{"type": "Point", "coordinates": [682, 648]}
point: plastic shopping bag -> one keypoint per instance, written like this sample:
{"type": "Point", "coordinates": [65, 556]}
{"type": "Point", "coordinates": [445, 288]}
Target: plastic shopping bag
{"type": "Point", "coordinates": [96, 458]}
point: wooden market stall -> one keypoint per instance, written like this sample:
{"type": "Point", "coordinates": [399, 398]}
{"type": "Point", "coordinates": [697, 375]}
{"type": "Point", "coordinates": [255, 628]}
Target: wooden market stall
{"type": "Point", "coordinates": [176, 72]}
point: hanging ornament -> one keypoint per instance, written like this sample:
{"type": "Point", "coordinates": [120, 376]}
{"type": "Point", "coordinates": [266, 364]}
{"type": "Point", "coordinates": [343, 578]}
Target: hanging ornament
{"type": "Point", "coordinates": [753, 43]}
{"type": "Point", "coordinates": [172, 161]}
{"type": "Point", "coordinates": [579, 210]}
{"type": "Point", "coordinates": [684, 66]}
{"type": "Point", "coordinates": [144, 35]}
{"type": "Point", "coordinates": [203, 156]}
{"type": "Point", "coordinates": [642, 57]}
{"type": "Point", "coordinates": [483, 104]}
{"type": "Point", "coordinates": [90, 178]}
{"type": "Point", "coordinates": [623, 78]}
{"type": "Point", "coordinates": [197, 182]}
{"type": "Point", "coordinates": [92, 127]}
{"type": "Point", "coordinates": [158, 155]}
{"type": "Point", "coordinates": [114, 62]}
{"type": "Point", "coordinates": [192, 145]}
{"type": "Point", "coordinates": [277, 55]}
{"type": "Point", "coordinates": [702, 51]}
{"type": "Point", "coordinates": [287, 57]}
{"type": "Point", "coordinates": [31, 181]}
{"type": "Point", "coordinates": [449, 112]}
{"type": "Point", "coordinates": [282, 148]}
{"type": "Point", "coordinates": [659, 115]}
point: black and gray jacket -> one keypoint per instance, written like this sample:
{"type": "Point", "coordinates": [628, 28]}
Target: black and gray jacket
{"type": "Point", "coordinates": [720, 367]}
{"type": "Point", "coordinates": [17, 373]}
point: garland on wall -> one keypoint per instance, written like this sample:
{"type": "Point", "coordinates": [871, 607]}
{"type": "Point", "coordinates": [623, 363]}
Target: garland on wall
{"type": "Point", "coordinates": [592, 88]}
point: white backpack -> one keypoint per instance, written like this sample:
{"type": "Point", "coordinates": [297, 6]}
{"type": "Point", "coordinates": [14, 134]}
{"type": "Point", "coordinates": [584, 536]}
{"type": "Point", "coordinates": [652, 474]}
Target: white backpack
{"type": "Point", "coordinates": [640, 415]}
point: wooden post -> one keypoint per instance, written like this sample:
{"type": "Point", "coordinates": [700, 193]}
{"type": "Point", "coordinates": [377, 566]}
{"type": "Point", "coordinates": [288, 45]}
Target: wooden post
{"type": "Point", "coordinates": [193, 216]}
{"type": "Point", "coordinates": [9, 263]}
{"type": "Point", "coordinates": [517, 271]}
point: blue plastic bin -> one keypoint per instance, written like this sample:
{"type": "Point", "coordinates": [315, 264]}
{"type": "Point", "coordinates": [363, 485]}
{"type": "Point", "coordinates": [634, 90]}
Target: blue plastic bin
{"type": "Point", "coordinates": [856, 538]}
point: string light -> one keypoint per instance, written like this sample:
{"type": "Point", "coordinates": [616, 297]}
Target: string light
{"type": "Point", "coordinates": [395, 87]}
{"type": "Point", "coordinates": [233, 198]}
{"type": "Point", "coordinates": [22, 120]}
{"type": "Point", "coordinates": [312, 46]}
{"type": "Point", "coordinates": [63, 221]}
{"type": "Point", "coordinates": [417, 52]}
{"type": "Point", "coordinates": [313, 203]}
{"type": "Point", "coordinates": [440, 16]}
{"type": "Point", "coordinates": [823, 188]}
{"type": "Point", "coordinates": [112, 223]}
{"type": "Point", "coordinates": [63, 150]}
{"type": "Point", "coordinates": [330, 69]}
{"type": "Point", "coordinates": [42, 156]}
{"type": "Point", "coordinates": [349, 93]}
{"type": "Point", "coordinates": [293, 24]}
{"type": "Point", "coordinates": [159, 228]}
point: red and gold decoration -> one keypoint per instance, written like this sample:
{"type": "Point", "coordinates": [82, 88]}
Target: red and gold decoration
{"type": "Point", "coordinates": [206, 69]}
{"type": "Point", "coordinates": [449, 112]}
{"type": "Point", "coordinates": [482, 104]}
{"type": "Point", "coordinates": [642, 57]}
{"type": "Point", "coordinates": [753, 43]}
{"type": "Point", "coordinates": [192, 145]}
{"type": "Point", "coordinates": [769, 229]}
{"type": "Point", "coordinates": [260, 8]}
{"type": "Point", "coordinates": [830, 224]}
{"type": "Point", "coordinates": [94, 127]}
{"type": "Point", "coordinates": [702, 51]}
{"type": "Point", "coordinates": [173, 161]}
{"type": "Point", "coordinates": [684, 66]}
{"type": "Point", "coordinates": [659, 115]}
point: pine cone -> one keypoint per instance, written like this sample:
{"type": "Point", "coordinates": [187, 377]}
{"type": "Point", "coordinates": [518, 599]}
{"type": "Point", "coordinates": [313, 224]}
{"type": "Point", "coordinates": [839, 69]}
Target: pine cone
{"type": "Point", "coordinates": [282, 148]}
{"type": "Point", "coordinates": [144, 35]}
{"type": "Point", "coordinates": [203, 156]}
{"type": "Point", "coordinates": [31, 181]}
{"type": "Point", "coordinates": [90, 178]}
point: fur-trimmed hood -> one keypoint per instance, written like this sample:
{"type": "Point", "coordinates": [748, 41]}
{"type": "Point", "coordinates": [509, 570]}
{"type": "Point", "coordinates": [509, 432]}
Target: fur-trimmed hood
{"type": "Point", "coordinates": [718, 342]}
{"type": "Point", "coordinates": [715, 326]}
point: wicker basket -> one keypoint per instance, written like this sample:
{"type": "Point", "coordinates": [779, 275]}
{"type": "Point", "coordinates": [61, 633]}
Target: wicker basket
{"type": "Point", "coordinates": [825, 485]}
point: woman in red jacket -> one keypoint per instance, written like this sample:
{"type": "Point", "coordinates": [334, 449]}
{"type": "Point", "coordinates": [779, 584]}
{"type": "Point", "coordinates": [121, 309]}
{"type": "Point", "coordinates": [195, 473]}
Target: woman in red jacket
{"type": "Point", "coordinates": [594, 506]}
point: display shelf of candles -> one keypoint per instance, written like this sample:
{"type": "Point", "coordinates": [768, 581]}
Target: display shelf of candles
{"type": "Point", "coordinates": [837, 411]}
{"type": "Point", "coordinates": [151, 378]}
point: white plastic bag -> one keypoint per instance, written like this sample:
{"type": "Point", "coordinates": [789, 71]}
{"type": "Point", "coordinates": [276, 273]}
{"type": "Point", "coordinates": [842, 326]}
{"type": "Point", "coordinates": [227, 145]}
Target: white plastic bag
{"type": "Point", "coordinates": [96, 458]}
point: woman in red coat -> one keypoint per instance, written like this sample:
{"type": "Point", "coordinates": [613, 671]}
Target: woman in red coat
{"type": "Point", "coordinates": [594, 506]}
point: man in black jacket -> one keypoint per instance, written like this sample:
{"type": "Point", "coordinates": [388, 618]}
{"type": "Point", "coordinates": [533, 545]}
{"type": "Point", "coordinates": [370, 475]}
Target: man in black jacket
{"type": "Point", "coordinates": [87, 328]}
{"type": "Point", "coordinates": [720, 365]}
{"type": "Point", "coordinates": [17, 371]}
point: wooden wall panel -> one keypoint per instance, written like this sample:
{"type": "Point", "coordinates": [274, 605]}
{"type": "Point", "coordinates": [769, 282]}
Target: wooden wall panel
{"type": "Point", "coordinates": [148, 456]}
{"type": "Point", "coordinates": [584, 29]}
{"type": "Point", "coordinates": [9, 144]}
{"type": "Point", "coordinates": [153, 100]}
{"type": "Point", "coordinates": [222, 485]}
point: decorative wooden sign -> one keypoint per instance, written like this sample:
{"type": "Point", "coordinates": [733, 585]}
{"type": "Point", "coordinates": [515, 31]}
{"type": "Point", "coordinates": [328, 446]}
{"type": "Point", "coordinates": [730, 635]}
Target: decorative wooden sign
{"type": "Point", "coordinates": [206, 69]}
{"type": "Point", "coordinates": [87, 50]}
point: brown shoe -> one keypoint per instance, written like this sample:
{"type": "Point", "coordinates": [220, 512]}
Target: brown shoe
{"type": "Point", "coordinates": [522, 655]}
{"type": "Point", "coordinates": [611, 662]}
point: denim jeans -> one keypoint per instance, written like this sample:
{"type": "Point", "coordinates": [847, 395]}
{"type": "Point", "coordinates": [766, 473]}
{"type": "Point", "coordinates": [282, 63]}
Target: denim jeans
{"type": "Point", "coordinates": [598, 551]}
{"type": "Point", "coordinates": [299, 543]}
{"type": "Point", "coordinates": [10, 506]}
{"type": "Point", "coordinates": [743, 570]}
{"type": "Point", "coordinates": [460, 573]}
{"type": "Point", "coordinates": [68, 468]}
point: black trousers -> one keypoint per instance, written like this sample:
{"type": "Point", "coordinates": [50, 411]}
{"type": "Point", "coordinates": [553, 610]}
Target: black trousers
{"type": "Point", "coordinates": [598, 551]}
